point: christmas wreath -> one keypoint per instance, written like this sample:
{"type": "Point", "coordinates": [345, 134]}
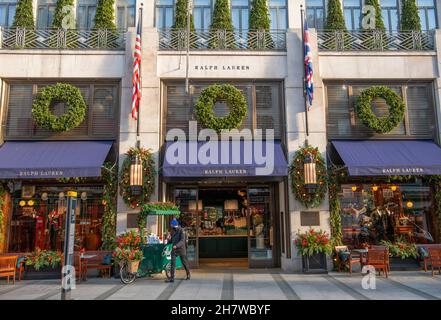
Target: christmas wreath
{"type": "Point", "coordinates": [367, 116]}
{"type": "Point", "coordinates": [297, 173]}
{"type": "Point", "coordinates": [235, 101]}
{"type": "Point", "coordinates": [62, 92]}
{"type": "Point", "coordinates": [148, 177]}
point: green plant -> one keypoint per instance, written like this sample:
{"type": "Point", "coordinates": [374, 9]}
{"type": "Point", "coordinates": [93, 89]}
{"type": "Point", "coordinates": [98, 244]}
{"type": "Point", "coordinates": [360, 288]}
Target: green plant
{"type": "Point", "coordinates": [148, 177]}
{"type": "Point", "coordinates": [105, 15]}
{"type": "Point", "coordinates": [221, 21]}
{"type": "Point", "coordinates": [76, 107]}
{"type": "Point", "coordinates": [64, 11]}
{"type": "Point", "coordinates": [334, 187]}
{"type": "Point", "coordinates": [410, 19]}
{"type": "Point", "coordinates": [367, 116]}
{"type": "Point", "coordinates": [297, 174]}
{"type": "Point", "coordinates": [334, 17]}
{"type": "Point", "coordinates": [2, 217]}
{"type": "Point", "coordinates": [401, 248]}
{"type": "Point", "coordinates": [24, 15]}
{"type": "Point", "coordinates": [180, 21]}
{"type": "Point", "coordinates": [110, 177]}
{"type": "Point", "coordinates": [259, 20]}
{"type": "Point", "coordinates": [43, 259]}
{"type": "Point", "coordinates": [129, 247]}
{"type": "Point", "coordinates": [312, 242]}
{"type": "Point", "coordinates": [435, 182]}
{"type": "Point", "coordinates": [224, 92]}
{"type": "Point", "coordinates": [379, 23]}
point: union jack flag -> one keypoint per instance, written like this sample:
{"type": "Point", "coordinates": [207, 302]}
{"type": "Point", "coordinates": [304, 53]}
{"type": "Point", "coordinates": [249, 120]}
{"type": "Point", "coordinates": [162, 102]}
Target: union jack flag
{"type": "Point", "coordinates": [136, 77]}
{"type": "Point", "coordinates": [309, 83]}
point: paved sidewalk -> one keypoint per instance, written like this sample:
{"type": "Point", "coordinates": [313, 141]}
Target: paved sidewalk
{"type": "Point", "coordinates": [238, 285]}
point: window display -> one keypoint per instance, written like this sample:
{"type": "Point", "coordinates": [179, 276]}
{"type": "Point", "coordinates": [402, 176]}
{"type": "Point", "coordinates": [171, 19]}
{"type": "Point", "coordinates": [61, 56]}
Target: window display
{"type": "Point", "coordinates": [371, 213]}
{"type": "Point", "coordinates": [38, 221]}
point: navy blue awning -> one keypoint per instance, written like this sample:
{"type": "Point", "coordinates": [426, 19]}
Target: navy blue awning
{"type": "Point", "coordinates": [52, 159]}
{"type": "Point", "coordinates": [390, 157]}
{"type": "Point", "coordinates": [229, 159]}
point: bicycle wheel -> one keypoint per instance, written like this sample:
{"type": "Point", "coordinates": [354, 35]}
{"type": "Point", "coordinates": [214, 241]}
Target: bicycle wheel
{"type": "Point", "coordinates": [167, 270]}
{"type": "Point", "coordinates": [126, 276]}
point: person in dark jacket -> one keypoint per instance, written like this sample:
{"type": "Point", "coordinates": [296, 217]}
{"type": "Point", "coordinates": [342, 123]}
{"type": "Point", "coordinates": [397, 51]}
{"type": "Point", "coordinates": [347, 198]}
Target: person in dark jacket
{"type": "Point", "coordinates": [178, 241]}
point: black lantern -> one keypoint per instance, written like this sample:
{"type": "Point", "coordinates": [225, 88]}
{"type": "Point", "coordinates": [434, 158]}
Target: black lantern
{"type": "Point", "coordinates": [310, 173]}
{"type": "Point", "coordinates": [136, 176]}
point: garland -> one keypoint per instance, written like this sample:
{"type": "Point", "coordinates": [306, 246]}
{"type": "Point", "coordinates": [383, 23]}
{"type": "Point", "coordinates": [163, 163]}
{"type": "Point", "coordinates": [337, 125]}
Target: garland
{"type": "Point", "coordinates": [367, 116]}
{"type": "Point", "coordinates": [309, 200]}
{"type": "Point", "coordinates": [334, 188]}
{"type": "Point", "coordinates": [76, 107]}
{"type": "Point", "coordinates": [2, 216]}
{"type": "Point", "coordinates": [110, 176]}
{"type": "Point", "coordinates": [148, 179]}
{"type": "Point", "coordinates": [436, 184]}
{"type": "Point", "coordinates": [235, 100]}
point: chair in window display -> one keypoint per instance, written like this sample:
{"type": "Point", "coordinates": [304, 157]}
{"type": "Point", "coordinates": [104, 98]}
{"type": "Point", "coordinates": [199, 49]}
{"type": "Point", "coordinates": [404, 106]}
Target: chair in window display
{"type": "Point", "coordinates": [435, 259]}
{"type": "Point", "coordinates": [379, 259]}
{"type": "Point", "coordinates": [346, 258]}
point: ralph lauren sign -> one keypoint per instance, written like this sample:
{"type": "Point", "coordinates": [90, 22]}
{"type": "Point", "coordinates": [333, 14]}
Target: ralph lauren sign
{"type": "Point", "coordinates": [222, 67]}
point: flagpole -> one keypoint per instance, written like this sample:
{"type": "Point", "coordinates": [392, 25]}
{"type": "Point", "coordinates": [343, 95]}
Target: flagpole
{"type": "Point", "coordinates": [138, 142]}
{"type": "Point", "coordinates": [189, 8]}
{"type": "Point", "coordinates": [302, 14]}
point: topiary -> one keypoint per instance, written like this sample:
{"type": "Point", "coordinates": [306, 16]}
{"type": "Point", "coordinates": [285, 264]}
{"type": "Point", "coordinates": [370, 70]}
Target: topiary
{"type": "Point", "coordinates": [334, 17]}
{"type": "Point", "coordinates": [62, 12]}
{"type": "Point", "coordinates": [221, 21]}
{"type": "Point", "coordinates": [379, 23]}
{"type": "Point", "coordinates": [180, 23]}
{"type": "Point", "coordinates": [410, 19]}
{"type": "Point", "coordinates": [24, 15]}
{"type": "Point", "coordinates": [105, 15]}
{"type": "Point", "coordinates": [259, 20]}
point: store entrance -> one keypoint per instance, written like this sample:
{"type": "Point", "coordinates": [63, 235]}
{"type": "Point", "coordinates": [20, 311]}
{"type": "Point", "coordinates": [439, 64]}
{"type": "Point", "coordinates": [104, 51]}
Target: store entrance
{"type": "Point", "coordinates": [228, 226]}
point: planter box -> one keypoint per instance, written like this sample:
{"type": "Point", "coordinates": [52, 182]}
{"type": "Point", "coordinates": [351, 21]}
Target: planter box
{"type": "Point", "coordinates": [315, 263]}
{"type": "Point", "coordinates": [163, 212]}
{"type": "Point", "coordinates": [41, 274]}
{"type": "Point", "coordinates": [408, 264]}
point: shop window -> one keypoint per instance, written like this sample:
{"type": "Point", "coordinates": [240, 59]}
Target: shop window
{"type": "Point", "coordinates": [45, 13]}
{"type": "Point", "coordinates": [38, 218]}
{"type": "Point", "coordinates": [342, 121]}
{"type": "Point", "coordinates": [7, 12]}
{"type": "Point", "coordinates": [352, 14]}
{"type": "Point", "coordinates": [164, 14]}
{"type": "Point", "coordinates": [316, 13]}
{"type": "Point", "coordinates": [100, 121]}
{"type": "Point", "coordinates": [264, 106]}
{"type": "Point", "coordinates": [390, 14]}
{"type": "Point", "coordinates": [309, 218]}
{"type": "Point", "coordinates": [371, 213]}
{"type": "Point", "coordinates": [125, 14]}
{"type": "Point", "coordinates": [427, 12]}
{"type": "Point", "coordinates": [132, 220]}
{"type": "Point", "coordinates": [278, 14]}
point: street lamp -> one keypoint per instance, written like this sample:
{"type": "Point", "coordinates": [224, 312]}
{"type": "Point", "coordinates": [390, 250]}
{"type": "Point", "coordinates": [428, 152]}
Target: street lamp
{"type": "Point", "coordinates": [136, 176]}
{"type": "Point", "coordinates": [310, 173]}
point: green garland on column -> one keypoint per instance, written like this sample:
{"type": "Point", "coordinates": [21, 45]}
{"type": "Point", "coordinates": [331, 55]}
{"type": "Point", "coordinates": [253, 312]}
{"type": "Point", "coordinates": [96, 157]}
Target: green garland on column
{"type": "Point", "coordinates": [2, 216]}
{"type": "Point", "coordinates": [110, 178]}
{"type": "Point", "coordinates": [334, 187]}
{"type": "Point", "coordinates": [435, 181]}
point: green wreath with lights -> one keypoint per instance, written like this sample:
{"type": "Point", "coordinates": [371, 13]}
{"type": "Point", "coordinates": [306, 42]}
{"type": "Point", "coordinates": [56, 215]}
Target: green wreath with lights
{"type": "Point", "coordinates": [148, 178]}
{"type": "Point", "coordinates": [235, 101]}
{"type": "Point", "coordinates": [297, 173]}
{"type": "Point", "coordinates": [367, 116]}
{"type": "Point", "coordinates": [60, 92]}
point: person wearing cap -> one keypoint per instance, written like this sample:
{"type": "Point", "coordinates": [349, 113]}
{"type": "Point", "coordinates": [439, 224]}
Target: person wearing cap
{"type": "Point", "coordinates": [177, 239]}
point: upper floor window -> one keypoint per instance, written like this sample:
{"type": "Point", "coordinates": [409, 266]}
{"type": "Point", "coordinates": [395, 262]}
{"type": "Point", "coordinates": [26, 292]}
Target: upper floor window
{"type": "Point", "coordinates": [86, 10]}
{"type": "Point", "coordinates": [101, 119]}
{"type": "Point", "coordinates": [240, 12]}
{"type": "Point", "coordinates": [278, 14]}
{"type": "Point", "coordinates": [315, 13]}
{"type": "Point", "coordinates": [202, 14]}
{"type": "Point", "coordinates": [45, 13]}
{"type": "Point", "coordinates": [164, 14]}
{"type": "Point", "coordinates": [352, 14]}
{"type": "Point", "coordinates": [427, 10]}
{"type": "Point", "coordinates": [389, 12]}
{"type": "Point", "coordinates": [7, 12]}
{"type": "Point", "coordinates": [343, 123]}
{"type": "Point", "coordinates": [125, 14]}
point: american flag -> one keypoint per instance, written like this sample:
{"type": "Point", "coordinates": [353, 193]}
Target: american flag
{"type": "Point", "coordinates": [309, 83]}
{"type": "Point", "coordinates": [136, 77]}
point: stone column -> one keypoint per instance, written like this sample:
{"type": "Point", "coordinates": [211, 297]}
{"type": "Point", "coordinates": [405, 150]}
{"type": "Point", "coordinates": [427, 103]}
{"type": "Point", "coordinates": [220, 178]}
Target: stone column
{"type": "Point", "coordinates": [437, 85]}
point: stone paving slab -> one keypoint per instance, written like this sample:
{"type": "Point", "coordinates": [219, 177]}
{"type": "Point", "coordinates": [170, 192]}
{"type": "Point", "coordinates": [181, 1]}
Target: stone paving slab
{"type": "Point", "coordinates": [252, 286]}
{"type": "Point", "coordinates": [142, 289]}
{"type": "Point", "coordinates": [202, 286]}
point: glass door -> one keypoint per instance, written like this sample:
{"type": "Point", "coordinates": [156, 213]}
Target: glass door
{"type": "Point", "coordinates": [187, 201]}
{"type": "Point", "coordinates": [260, 227]}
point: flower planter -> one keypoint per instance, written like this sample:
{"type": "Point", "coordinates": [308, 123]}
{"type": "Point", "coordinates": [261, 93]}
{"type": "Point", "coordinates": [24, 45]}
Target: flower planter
{"type": "Point", "coordinates": [408, 264]}
{"type": "Point", "coordinates": [43, 273]}
{"type": "Point", "coordinates": [315, 263]}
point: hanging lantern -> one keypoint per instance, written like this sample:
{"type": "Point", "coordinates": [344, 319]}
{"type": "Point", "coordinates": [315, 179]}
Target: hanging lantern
{"type": "Point", "coordinates": [354, 188]}
{"type": "Point", "coordinates": [393, 188]}
{"type": "Point", "coordinates": [409, 204]}
{"type": "Point", "coordinates": [310, 173]}
{"type": "Point", "coordinates": [374, 188]}
{"type": "Point", "coordinates": [136, 176]}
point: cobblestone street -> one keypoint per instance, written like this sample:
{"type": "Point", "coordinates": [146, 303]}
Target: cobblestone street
{"type": "Point", "coordinates": [238, 285]}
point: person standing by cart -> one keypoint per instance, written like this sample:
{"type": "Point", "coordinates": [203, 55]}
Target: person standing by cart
{"type": "Point", "coordinates": [179, 242]}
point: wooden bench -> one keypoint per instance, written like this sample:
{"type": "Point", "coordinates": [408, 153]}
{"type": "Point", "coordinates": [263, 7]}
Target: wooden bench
{"type": "Point", "coordinates": [94, 261]}
{"type": "Point", "coordinates": [8, 266]}
{"type": "Point", "coordinates": [435, 259]}
{"type": "Point", "coordinates": [379, 259]}
{"type": "Point", "coordinates": [426, 260]}
{"type": "Point", "coordinates": [20, 265]}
